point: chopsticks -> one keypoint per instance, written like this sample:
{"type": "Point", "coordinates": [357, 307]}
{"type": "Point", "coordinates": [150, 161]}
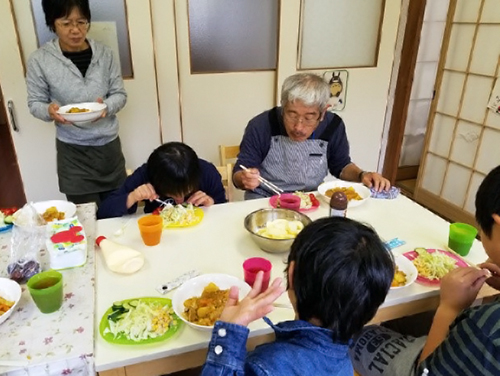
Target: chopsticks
{"type": "Point", "coordinates": [471, 264]}
{"type": "Point", "coordinates": [267, 183]}
{"type": "Point", "coordinates": [282, 305]}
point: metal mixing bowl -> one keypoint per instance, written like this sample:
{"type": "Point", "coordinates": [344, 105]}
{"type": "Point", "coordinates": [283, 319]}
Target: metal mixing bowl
{"type": "Point", "coordinates": [258, 220]}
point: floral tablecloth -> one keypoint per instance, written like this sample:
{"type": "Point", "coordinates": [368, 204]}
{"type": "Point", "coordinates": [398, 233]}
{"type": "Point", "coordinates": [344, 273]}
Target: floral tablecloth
{"type": "Point", "coordinates": [60, 343]}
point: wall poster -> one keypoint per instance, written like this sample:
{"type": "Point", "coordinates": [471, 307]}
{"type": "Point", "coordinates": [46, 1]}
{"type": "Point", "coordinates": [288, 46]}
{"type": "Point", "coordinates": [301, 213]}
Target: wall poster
{"type": "Point", "coordinates": [337, 79]}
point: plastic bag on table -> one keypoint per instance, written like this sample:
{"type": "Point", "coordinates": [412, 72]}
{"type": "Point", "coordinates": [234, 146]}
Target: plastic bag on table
{"type": "Point", "coordinates": [28, 239]}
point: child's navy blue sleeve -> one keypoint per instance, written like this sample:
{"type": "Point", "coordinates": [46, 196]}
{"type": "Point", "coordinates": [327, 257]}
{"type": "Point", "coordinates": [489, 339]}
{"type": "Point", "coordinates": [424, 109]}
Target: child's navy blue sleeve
{"type": "Point", "coordinates": [115, 205]}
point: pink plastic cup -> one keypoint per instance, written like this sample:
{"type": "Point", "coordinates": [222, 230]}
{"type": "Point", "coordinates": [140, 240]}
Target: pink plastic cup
{"type": "Point", "coordinates": [254, 265]}
{"type": "Point", "coordinates": [289, 201]}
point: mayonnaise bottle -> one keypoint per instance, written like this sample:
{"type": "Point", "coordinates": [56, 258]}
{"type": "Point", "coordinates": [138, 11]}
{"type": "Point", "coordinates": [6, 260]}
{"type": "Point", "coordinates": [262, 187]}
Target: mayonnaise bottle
{"type": "Point", "coordinates": [120, 258]}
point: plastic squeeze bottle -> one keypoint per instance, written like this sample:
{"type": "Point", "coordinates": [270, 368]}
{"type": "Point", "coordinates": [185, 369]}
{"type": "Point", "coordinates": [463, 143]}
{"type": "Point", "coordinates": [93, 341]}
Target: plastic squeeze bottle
{"type": "Point", "coordinates": [120, 258]}
{"type": "Point", "coordinates": [338, 204]}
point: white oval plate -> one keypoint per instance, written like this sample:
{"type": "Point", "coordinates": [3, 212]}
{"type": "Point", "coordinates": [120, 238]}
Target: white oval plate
{"type": "Point", "coordinates": [361, 189]}
{"type": "Point", "coordinates": [96, 110]}
{"type": "Point", "coordinates": [67, 207]}
{"type": "Point", "coordinates": [195, 286]}
{"type": "Point", "coordinates": [11, 291]}
{"type": "Point", "coordinates": [407, 267]}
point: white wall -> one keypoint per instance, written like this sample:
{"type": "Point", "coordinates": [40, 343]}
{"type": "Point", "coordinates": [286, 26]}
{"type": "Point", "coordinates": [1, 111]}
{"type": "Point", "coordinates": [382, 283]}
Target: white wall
{"type": "Point", "coordinates": [142, 122]}
{"type": "Point", "coordinates": [367, 88]}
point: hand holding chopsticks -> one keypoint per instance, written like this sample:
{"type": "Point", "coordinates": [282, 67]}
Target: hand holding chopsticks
{"type": "Point", "coordinates": [267, 183]}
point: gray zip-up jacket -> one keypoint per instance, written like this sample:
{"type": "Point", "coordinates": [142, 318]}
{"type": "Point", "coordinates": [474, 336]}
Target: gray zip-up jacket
{"type": "Point", "coordinates": [51, 77]}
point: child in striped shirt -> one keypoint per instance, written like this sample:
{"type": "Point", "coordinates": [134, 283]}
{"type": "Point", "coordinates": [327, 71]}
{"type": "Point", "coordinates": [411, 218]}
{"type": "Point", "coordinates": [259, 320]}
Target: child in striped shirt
{"type": "Point", "coordinates": [462, 340]}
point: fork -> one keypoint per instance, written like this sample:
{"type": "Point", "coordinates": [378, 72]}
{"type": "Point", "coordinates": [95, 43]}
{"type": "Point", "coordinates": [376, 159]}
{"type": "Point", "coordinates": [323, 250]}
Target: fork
{"type": "Point", "coordinates": [164, 203]}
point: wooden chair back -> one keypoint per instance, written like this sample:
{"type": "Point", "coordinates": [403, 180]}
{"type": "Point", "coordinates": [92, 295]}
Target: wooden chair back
{"type": "Point", "coordinates": [228, 154]}
{"type": "Point", "coordinates": [226, 173]}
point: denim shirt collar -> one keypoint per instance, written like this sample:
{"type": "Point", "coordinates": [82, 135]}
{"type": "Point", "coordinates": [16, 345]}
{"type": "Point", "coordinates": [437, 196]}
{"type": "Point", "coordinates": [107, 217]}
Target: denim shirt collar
{"type": "Point", "coordinates": [309, 335]}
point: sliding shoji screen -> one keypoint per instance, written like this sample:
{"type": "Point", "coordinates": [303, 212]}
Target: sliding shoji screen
{"type": "Point", "coordinates": [463, 142]}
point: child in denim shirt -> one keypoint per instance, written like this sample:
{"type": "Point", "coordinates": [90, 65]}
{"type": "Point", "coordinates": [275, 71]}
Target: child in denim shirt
{"type": "Point", "coordinates": [338, 273]}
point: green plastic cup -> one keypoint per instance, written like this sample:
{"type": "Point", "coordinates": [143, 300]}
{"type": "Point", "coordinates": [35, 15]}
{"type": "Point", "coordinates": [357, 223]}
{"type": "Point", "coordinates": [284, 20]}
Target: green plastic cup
{"type": "Point", "coordinates": [46, 289]}
{"type": "Point", "coordinates": [461, 237]}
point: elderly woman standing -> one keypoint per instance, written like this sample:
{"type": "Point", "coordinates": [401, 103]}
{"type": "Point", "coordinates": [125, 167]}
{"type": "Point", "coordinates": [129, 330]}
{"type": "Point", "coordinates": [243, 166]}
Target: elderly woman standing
{"type": "Point", "coordinates": [74, 69]}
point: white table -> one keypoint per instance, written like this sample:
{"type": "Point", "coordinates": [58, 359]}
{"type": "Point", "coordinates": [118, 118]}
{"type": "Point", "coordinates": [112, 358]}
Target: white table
{"type": "Point", "coordinates": [220, 244]}
{"type": "Point", "coordinates": [58, 343]}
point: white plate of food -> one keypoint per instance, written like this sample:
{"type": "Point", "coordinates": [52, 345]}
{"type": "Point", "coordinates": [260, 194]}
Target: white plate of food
{"type": "Point", "coordinates": [82, 112]}
{"type": "Point", "coordinates": [405, 274]}
{"type": "Point", "coordinates": [10, 294]}
{"type": "Point", "coordinates": [214, 302]}
{"type": "Point", "coordinates": [54, 210]}
{"type": "Point", "coordinates": [356, 193]}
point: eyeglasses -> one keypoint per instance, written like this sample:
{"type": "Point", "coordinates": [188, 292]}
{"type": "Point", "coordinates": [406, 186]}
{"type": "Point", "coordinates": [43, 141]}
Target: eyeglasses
{"type": "Point", "coordinates": [308, 120]}
{"type": "Point", "coordinates": [68, 25]}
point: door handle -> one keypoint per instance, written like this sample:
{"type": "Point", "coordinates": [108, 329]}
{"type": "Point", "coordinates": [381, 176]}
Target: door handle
{"type": "Point", "coordinates": [10, 107]}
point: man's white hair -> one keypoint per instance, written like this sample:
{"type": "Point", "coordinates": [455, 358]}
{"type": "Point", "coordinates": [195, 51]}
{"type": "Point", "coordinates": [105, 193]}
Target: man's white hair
{"type": "Point", "coordinates": [308, 88]}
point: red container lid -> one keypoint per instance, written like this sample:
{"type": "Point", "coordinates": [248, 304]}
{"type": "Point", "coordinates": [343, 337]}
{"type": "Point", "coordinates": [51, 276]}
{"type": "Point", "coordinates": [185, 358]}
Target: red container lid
{"type": "Point", "coordinates": [99, 240]}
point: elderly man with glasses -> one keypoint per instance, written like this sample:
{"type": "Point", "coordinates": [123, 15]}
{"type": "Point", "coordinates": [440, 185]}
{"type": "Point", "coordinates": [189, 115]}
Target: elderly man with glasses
{"type": "Point", "coordinates": [295, 146]}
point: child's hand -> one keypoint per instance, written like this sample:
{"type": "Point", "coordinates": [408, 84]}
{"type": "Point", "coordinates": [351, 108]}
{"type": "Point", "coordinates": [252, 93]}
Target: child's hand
{"type": "Point", "coordinates": [255, 305]}
{"type": "Point", "coordinates": [459, 287]}
{"type": "Point", "coordinates": [494, 280]}
{"type": "Point", "coordinates": [142, 192]}
{"type": "Point", "coordinates": [200, 198]}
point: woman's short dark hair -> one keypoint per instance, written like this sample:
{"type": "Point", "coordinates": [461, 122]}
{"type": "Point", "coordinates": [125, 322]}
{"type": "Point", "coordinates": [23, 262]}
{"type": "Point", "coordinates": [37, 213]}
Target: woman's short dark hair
{"type": "Point", "coordinates": [174, 169]}
{"type": "Point", "coordinates": [488, 201]}
{"type": "Point", "coordinates": [55, 9]}
{"type": "Point", "coordinates": [341, 275]}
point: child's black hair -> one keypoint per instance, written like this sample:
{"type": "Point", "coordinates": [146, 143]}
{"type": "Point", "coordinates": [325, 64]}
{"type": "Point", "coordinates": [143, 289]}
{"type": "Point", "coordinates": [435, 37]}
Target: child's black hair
{"type": "Point", "coordinates": [174, 169]}
{"type": "Point", "coordinates": [342, 273]}
{"type": "Point", "coordinates": [488, 201]}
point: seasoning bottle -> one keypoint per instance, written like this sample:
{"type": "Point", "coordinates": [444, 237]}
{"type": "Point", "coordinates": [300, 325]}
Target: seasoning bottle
{"type": "Point", "coordinates": [120, 258]}
{"type": "Point", "coordinates": [338, 204]}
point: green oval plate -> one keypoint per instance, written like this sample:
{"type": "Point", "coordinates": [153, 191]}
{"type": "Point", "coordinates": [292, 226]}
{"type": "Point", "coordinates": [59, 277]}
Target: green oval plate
{"type": "Point", "coordinates": [123, 340]}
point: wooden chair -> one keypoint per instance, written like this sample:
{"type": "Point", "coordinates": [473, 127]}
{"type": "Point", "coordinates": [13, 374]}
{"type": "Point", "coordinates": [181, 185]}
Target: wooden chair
{"type": "Point", "coordinates": [226, 173]}
{"type": "Point", "coordinates": [228, 154]}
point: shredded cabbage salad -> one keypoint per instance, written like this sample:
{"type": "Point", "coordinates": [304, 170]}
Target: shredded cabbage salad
{"type": "Point", "coordinates": [146, 320]}
{"type": "Point", "coordinates": [178, 214]}
{"type": "Point", "coordinates": [433, 265]}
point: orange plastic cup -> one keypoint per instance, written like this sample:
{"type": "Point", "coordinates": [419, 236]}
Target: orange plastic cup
{"type": "Point", "coordinates": [151, 228]}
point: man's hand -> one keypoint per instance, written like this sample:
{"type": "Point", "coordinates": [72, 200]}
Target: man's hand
{"type": "Point", "coordinates": [374, 179]}
{"type": "Point", "coordinates": [494, 280]}
{"type": "Point", "coordinates": [459, 287]}
{"type": "Point", "coordinates": [255, 305]}
{"type": "Point", "coordinates": [247, 179]}
{"type": "Point", "coordinates": [142, 192]}
{"type": "Point", "coordinates": [53, 107]}
{"type": "Point", "coordinates": [200, 198]}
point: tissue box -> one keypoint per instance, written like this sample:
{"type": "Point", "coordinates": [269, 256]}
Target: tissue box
{"type": "Point", "coordinates": [66, 244]}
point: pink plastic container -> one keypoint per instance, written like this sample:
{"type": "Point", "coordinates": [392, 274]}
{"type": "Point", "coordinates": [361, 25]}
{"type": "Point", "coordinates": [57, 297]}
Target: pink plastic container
{"type": "Point", "coordinates": [289, 201]}
{"type": "Point", "coordinates": [254, 265]}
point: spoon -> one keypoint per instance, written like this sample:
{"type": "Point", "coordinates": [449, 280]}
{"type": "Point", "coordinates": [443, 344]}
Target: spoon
{"type": "Point", "coordinates": [121, 230]}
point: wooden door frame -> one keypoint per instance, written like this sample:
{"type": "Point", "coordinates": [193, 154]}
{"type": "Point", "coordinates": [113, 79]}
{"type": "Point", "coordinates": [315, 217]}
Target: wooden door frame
{"type": "Point", "coordinates": [11, 185]}
{"type": "Point", "coordinates": [402, 94]}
